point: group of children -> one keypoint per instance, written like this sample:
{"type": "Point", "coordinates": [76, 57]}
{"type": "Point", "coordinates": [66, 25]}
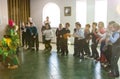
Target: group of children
{"type": "Point", "coordinates": [30, 35]}
{"type": "Point", "coordinates": [108, 39]}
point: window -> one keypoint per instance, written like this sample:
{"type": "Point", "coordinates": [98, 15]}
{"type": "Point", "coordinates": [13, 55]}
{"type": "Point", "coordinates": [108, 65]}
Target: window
{"type": "Point", "coordinates": [101, 11]}
{"type": "Point", "coordinates": [53, 11]}
{"type": "Point", "coordinates": [81, 12]}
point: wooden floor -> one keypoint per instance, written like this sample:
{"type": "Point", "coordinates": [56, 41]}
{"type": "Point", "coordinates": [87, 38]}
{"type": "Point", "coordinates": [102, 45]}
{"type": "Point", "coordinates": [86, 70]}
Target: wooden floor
{"type": "Point", "coordinates": [37, 65]}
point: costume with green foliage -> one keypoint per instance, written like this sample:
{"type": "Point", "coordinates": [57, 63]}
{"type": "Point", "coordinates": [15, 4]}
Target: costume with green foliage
{"type": "Point", "coordinates": [9, 46]}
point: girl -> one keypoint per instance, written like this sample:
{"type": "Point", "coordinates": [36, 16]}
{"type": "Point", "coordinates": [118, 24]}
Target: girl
{"type": "Point", "coordinates": [101, 40]}
{"type": "Point", "coordinates": [48, 37]}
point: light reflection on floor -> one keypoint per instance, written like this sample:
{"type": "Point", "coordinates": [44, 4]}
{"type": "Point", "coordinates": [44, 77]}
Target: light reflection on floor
{"type": "Point", "coordinates": [97, 71]}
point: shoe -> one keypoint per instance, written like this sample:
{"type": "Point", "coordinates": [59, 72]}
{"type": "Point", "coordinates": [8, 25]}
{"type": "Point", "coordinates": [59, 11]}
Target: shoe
{"type": "Point", "coordinates": [62, 54]}
{"type": "Point", "coordinates": [113, 75]}
{"type": "Point", "coordinates": [81, 57]}
{"type": "Point", "coordinates": [37, 49]}
{"type": "Point", "coordinates": [66, 54]}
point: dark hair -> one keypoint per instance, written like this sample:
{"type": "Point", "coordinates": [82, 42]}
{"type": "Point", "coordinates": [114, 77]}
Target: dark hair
{"type": "Point", "coordinates": [77, 23]}
{"type": "Point", "coordinates": [48, 25]}
{"type": "Point", "coordinates": [94, 23]}
{"type": "Point", "coordinates": [87, 25]}
{"type": "Point", "coordinates": [67, 24]}
{"type": "Point", "coordinates": [31, 23]}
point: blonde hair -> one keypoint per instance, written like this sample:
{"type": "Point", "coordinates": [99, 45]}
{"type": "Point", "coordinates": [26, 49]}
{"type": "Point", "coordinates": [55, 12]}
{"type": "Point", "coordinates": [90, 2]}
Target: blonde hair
{"type": "Point", "coordinates": [101, 23]}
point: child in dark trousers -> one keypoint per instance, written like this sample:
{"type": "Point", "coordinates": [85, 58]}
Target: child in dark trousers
{"type": "Point", "coordinates": [58, 37]}
{"type": "Point", "coordinates": [23, 30]}
{"type": "Point", "coordinates": [64, 40]}
{"type": "Point", "coordinates": [115, 39]}
{"type": "Point", "coordinates": [34, 41]}
{"type": "Point", "coordinates": [87, 39]}
{"type": "Point", "coordinates": [94, 45]}
{"type": "Point", "coordinates": [108, 45]}
{"type": "Point", "coordinates": [28, 35]}
{"type": "Point", "coordinates": [48, 33]}
{"type": "Point", "coordinates": [75, 44]}
{"type": "Point", "coordinates": [79, 41]}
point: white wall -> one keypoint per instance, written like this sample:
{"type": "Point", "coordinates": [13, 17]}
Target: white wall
{"type": "Point", "coordinates": [3, 16]}
{"type": "Point", "coordinates": [37, 6]}
{"type": "Point", "coordinates": [90, 11]}
{"type": "Point", "coordinates": [112, 13]}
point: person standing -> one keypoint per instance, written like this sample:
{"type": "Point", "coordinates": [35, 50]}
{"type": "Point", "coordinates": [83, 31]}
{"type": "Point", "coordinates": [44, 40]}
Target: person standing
{"type": "Point", "coordinates": [64, 40]}
{"type": "Point", "coordinates": [94, 45]}
{"type": "Point", "coordinates": [28, 35]}
{"type": "Point", "coordinates": [87, 39]}
{"type": "Point", "coordinates": [35, 40]}
{"type": "Point", "coordinates": [48, 33]}
{"type": "Point", "coordinates": [115, 39]}
{"type": "Point", "coordinates": [47, 21]}
{"type": "Point", "coordinates": [79, 41]}
{"type": "Point", "coordinates": [23, 30]}
{"type": "Point", "coordinates": [58, 37]}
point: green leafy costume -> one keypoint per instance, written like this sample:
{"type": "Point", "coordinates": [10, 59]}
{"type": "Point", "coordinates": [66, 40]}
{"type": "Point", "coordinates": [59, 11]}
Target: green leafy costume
{"type": "Point", "coordinates": [9, 46]}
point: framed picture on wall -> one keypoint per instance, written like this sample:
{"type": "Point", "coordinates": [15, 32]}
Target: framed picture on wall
{"type": "Point", "coordinates": [67, 11]}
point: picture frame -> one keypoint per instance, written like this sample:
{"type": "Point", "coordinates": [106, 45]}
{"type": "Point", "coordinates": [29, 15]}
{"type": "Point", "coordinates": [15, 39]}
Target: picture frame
{"type": "Point", "coordinates": [67, 11]}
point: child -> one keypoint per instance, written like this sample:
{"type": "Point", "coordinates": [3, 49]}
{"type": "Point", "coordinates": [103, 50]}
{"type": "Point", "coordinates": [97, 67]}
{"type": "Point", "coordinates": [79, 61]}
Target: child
{"type": "Point", "coordinates": [64, 40]}
{"type": "Point", "coordinates": [108, 45]}
{"type": "Point", "coordinates": [28, 35]}
{"type": "Point", "coordinates": [87, 38]}
{"type": "Point", "coordinates": [23, 30]}
{"type": "Point", "coordinates": [47, 21]}
{"type": "Point", "coordinates": [101, 40]}
{"type": "Point", "coordinates": [115, 39]}
{"type": "Point", "coordinates": [48, 37]}
{"type": "Point", "coordinates": [94, 43]}
{"type": "Point", "coordinates": [58, 37]}
{"type": "Point", "coordinates": [34, 37]}
{"type": "Point", "coordinates": [79, 41]}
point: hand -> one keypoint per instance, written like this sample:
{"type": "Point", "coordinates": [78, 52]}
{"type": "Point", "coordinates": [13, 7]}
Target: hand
{"type": "Point", "coordinates": [107, 40]}
{"type": "Point", "coordinates": [34, 36]}
{"type": "Point", "coordinates": [60, 36]}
